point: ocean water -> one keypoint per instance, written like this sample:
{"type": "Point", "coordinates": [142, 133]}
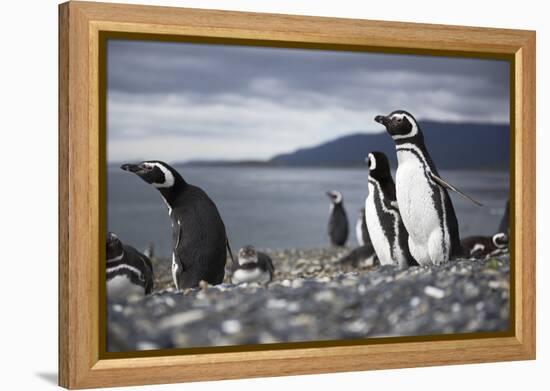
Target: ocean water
{"type": "Point", "coordinates": [275, 208]}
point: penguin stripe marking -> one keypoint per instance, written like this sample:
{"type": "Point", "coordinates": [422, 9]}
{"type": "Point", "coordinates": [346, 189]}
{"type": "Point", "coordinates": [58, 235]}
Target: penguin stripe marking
{"type": "Point", "coordinates": [395, 214]}
{"type": "Point", "coordinates": [116, 259]}
{"type": "Point", "coordinates": [427, 174]}
{"type": "Point", "coordinates": [131, 269]}
{"type": "Point", "coordinates": [412, 133]}
{"type": "Point", "coordinates": [168, 176]}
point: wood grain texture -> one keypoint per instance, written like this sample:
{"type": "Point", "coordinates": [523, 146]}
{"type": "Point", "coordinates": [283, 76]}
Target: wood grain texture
{"type": "Point", "coordinates": [80, 167]}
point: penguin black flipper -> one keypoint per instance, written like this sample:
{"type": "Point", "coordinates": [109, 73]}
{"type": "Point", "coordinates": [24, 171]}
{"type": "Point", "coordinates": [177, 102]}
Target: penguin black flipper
{"type": "Point", "coordinates": [265, 259]}
{"type": "Point", "coordinates": [448, 186]}
{"type": "Point", "coordinates": [233, 262]}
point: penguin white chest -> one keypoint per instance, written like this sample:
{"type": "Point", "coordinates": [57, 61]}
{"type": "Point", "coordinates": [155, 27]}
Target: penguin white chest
{"type": "Point", "coordinates": [414, 193]}
{"type": "Point", "coordinates": [379, 240]}
{"type": "Point", "coordinates": [121, 288]}
{"type": "Point", "coordinates": [250, 275]}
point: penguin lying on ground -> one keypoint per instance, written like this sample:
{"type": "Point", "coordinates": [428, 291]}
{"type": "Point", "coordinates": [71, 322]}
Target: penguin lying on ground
{"type": "Point", "coordinates": [480, 247]}
{"type": "Point", "coordinates": [425, 205]}
{"type": "Point", "coordinates": [361, 256]}
{"type": "Point", "coordinates": [338, 219]}
{"type": "Point", "coordinates": [361, 230]}
{"type": "Point", "coordinates": [127, 271]}
{"type": "Point", "coordinates": [198, 233]}
{"type": "Point", "coordinates": [387, 232]}
{"type": "Point", "coordinates": [252, 266]}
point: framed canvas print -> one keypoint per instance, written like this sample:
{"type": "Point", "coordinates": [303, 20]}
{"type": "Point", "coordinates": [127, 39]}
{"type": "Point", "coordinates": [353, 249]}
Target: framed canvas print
{"type": "Point", "coordinates": [247, 195]}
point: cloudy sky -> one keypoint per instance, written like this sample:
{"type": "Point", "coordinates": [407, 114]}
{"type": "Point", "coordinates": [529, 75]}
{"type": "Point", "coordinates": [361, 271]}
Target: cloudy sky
{"type": "Point", "coordinates": [179, 102]}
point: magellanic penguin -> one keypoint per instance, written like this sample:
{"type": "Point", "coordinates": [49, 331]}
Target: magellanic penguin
{"type": "Point", "coordinates": [361, 230]}
{"type": "Point", "coordinates": [127, 271]}
{"type": "Point", "coordinates": [338, 219]}
{"type": "Point", "coordinates": [480, 247]}
{"type": "Point", "coordinates": [424, 203]}
{"type": "Point", "coordinates": [198, 233]}
{"type": "Point", "coordinates": [360, 256]}
{"type": "Point", "coordinates": [252, 266]}
{"type": "Point", "coordinates": [387, 232]}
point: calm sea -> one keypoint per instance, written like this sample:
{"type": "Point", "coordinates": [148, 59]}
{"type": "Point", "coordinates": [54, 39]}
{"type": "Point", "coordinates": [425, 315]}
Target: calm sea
{"type": "Point", "coordinates": [281, 207]}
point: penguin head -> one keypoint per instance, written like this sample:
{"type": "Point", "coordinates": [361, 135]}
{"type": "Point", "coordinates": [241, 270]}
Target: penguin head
{"type": "Point", "coordinates": [500, 240]}
{"type": "Point", "coordinates": [379, 165]}
{"type": "Point", "coordinates": [399, 124]}
{"type": "Point", "coordinates": [154, 172]}
{"type": "Point", "coordinates": [114, 246]}
{"type": "Point", "coordinates": [248, 254]}
{"type": "Point", "coordinates": [335, 196]}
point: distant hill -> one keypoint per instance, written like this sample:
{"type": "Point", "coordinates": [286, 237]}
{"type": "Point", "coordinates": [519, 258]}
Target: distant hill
{"type": "Point", "coordinates": [451, 145]}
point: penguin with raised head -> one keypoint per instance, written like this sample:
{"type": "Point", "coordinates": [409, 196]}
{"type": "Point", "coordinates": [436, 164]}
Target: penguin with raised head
{"type": "Point", "coordinates": [338, 219]}
{"type": "Point", "coordinates": [252, 266]}
{"type": "Point", "coordinates": [198, 233]}
{"type": "Point", "coordinates": [426, 208]}
{"type": "Point", "coordinates": [361, 230]}
{"type": "Point", "coordinates": [128, 272]}
{"type": "Point", "coordinates": [387, 232]}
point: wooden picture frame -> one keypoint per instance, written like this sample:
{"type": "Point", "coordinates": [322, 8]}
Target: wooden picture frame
{"type": "Point", "coordinates": [81, 185]}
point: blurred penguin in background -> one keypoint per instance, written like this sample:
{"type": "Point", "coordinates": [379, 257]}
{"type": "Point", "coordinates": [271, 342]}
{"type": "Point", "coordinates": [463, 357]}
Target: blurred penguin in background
{"type": "Point", "coordinates": [338, 219]}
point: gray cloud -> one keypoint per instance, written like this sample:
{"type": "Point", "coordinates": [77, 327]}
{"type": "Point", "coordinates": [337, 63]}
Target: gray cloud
{"type": "Point", "coordinates": [186, 101]}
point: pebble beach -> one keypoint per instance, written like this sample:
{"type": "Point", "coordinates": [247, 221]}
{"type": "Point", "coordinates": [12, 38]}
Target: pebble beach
{"type": "Point", "coordinates": [313, 298]}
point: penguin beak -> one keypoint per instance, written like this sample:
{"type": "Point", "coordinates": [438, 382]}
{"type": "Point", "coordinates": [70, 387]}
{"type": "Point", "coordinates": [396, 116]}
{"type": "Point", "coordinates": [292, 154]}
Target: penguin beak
{"type": "Point", "coordinates": [131, 167]}
{"type": "Point", "coordinates": [382, 119]}
{"type": "Point", "coordinates": [329, 194]}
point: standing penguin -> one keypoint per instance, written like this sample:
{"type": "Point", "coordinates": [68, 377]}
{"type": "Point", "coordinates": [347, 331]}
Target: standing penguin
{"type": "Point", "coordinates": [425, 205]}
{"type": "Point", "coordinates": [338, 219]}
{"type": "Point", "coordinates": [128, 272]}
{"type": "Point", "coordinates": [252, 266]}
{"type": "Point", "coordinates": [388, 234]}
{"type": "Point", "coordinates": [361, 230]}
{"type": "Point", "coordinates": [198, 233]}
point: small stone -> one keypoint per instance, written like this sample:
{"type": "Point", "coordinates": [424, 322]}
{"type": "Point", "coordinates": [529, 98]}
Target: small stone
{"type": "Point", "coordinates": [231, 326]}
{"type": "Point", "coordinates": [434, 292]}
{"type": "Point", "coordinates": [181, 319]}
{"type": "Point", "coordinates": [357, 326]}
{"type": "Point", "coordinates": [146, 345]}
{"type": "Point", "coordinates": [276, 304]}
{"type": "Point", "coordinates": [117, 307]}
{"type": "Point", "coordinates": [415, 301]}
{"type": "Point", "coordinates": [324, 296]}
